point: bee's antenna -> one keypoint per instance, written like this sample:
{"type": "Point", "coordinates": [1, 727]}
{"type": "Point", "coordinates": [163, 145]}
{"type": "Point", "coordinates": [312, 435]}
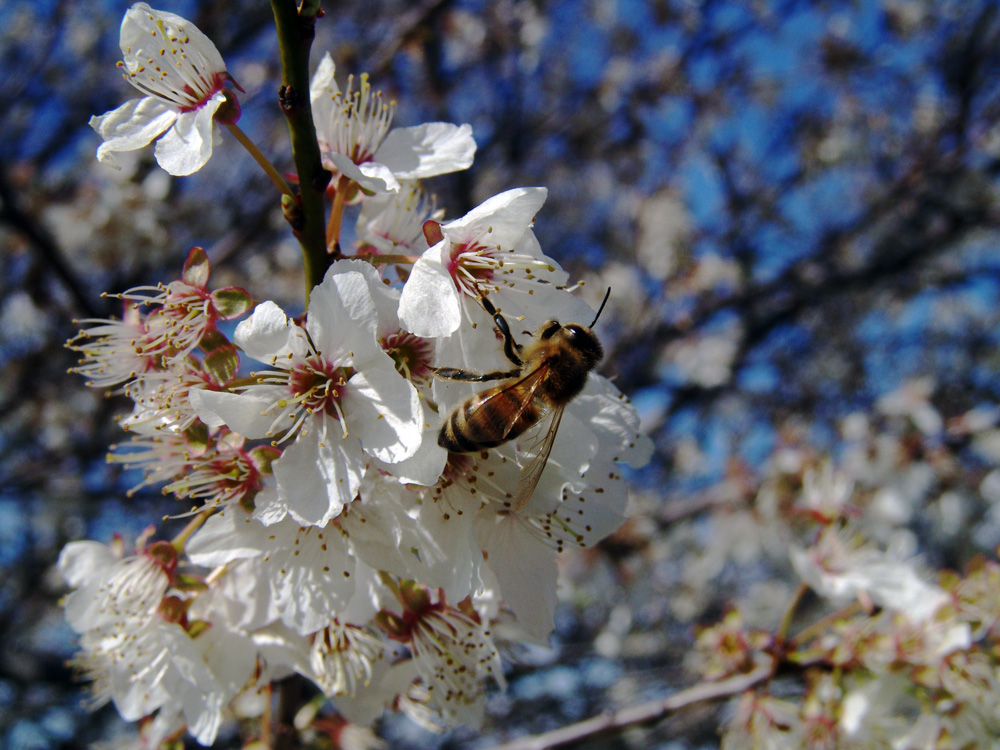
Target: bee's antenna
{"type": "Point", "coordinates": [601, 308]}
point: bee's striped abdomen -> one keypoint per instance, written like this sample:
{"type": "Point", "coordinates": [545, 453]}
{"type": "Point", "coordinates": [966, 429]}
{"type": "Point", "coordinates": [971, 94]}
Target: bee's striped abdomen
{"type": "Point", "coordinates": [484, 421]}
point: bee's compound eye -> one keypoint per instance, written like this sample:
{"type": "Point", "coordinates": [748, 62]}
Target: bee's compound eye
{"type": "Point", "coordinates": [574, 331]}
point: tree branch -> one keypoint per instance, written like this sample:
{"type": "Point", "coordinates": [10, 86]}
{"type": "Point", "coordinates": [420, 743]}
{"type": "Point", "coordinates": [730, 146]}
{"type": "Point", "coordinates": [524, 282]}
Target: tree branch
{"type": "Point", "coordinates": [12, 213]}
{"type": "Point", "coordinates": [645, 713]}
{"type": "Point", "coordinates": [295, 36]}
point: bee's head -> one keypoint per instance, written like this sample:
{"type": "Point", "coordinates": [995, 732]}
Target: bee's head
{"type": "Point", "coordinates": [576, 337]}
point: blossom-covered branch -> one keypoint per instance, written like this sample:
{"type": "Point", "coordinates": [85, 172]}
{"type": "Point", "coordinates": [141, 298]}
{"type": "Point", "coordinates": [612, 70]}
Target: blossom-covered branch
{"type": "Point", "coordinates": [335, 536]}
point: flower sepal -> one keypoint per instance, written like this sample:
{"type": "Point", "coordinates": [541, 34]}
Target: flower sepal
{"type": "Point", "coordinates": [393, 625]}
{"type": "Point", "coordinates": [229, 110]}
{"type": "Point", "coordinates": [232, 302]}
{"type": "Point", "coordinates": [222, 363]}
{"type": "Point", "coordinates": [196, 268]}
{"type": "Point", "coordinates": [189, 582]}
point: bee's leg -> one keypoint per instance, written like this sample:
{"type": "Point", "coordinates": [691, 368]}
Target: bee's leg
{"type": "Point", "coordinates": [511, 348]}
{"type": "Point", "coordinates": [453, 373]}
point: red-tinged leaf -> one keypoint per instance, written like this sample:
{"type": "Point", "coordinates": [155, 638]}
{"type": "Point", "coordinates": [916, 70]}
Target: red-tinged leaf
{"type": "Point", "coordinates": [432, 232]}
{"type": "Point", "coordinates": [196, 438]}
{"type": "Point", "coordinates": [263, 456]}
{"type": "Point", "coordinates": [197, 627]}
{"type": "Point", "coordinates": [212, 340]}
{"type": "Point", "coordinates": [231, 302]}
{"type": "Point", "coordinates": [222, 363]}
{"type": "Point", "coordinates": [196, 268]}
{"type": "Point", "coordinates": [188, 582]}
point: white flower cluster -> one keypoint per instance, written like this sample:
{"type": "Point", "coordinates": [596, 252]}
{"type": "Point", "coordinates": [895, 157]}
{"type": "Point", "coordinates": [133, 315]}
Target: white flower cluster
{"type": "Point", "coordinates": [331, 534]}
{"type": "Point", "coordinates": [903, 663]}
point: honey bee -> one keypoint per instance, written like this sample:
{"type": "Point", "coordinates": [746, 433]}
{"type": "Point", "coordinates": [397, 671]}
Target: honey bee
{"type": "Point", "coordinates": [548, 373]}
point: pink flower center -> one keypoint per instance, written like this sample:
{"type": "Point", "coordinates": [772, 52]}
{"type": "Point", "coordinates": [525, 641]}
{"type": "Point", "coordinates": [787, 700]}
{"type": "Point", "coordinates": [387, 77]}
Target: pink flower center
{"type": "Point", "coordinates": [319, 385]}
{"type": "Point", "coordinates": [411, 354]}
{"type": "Point", "coordinates": [208, 88]}
{"type": "Point", "coordinates": [459, 466]}
{"type": "Point", "coordinates": [470, 265]}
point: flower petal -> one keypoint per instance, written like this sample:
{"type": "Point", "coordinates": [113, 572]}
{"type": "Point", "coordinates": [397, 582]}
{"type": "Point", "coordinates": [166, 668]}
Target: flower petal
{"type": "Point", "coordinates": [449, 553]}
{"type": "Point", "coordinates": [250, 413]}
{"type": "Point", "coordinates": [425, 466]}
{"type": "Point", "coordinates": [429, 304]}
{"type": "Point", "coordinates": [81, 561]}
{"type": "Point", "coordinates": [227, 536]}
{"type": "Point", "coordinates": [311, 575]}
{"type": "Point", "coordinates": [267, 508]}
{"type": "Point", "coordinates": [504, 217]}
{"type": "Point", "coordinates": [342, 320]}
{"type": "Point", "coordinates": [322, 89]}
{"type": "Point", "coordinates": [427, 150]}
{"type": "Point", "coordinates": [610, 415]}
{"type": "Point", "coordinates": [383, 409]}
{"type": "Point", "coordinates": [525, 568]}
{"type": "Point", "coordinates": [187, 146]}
{"type": "Point", "coordinates": [385, 298]}
{"type": "Point", "coordinates": [141, 23]}
{"type": "Point", "coordinates": [371, 176]}
{"type": "Point", "coordinates": [268, 335]}
{"type": "Point", "coordinates": [319, 473]}
{"type": "Point", "coordinates": [133, 125]}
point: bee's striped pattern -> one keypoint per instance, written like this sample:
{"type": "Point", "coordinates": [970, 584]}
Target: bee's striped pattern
{"type": "Point", "coordinates": [550, 372]}
{"type": "Point", "coordinates": [489, 419]}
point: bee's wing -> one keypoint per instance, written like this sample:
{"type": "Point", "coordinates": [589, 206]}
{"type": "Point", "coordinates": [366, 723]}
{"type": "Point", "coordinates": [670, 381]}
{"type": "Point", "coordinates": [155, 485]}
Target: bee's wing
{"type": "Point", "coordinates": [530, 476]}
{"type": "Point", "coordinates": [524, 389]}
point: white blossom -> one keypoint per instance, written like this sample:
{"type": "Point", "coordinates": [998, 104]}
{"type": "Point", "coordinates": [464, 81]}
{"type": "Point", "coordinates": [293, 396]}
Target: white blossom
{"type": "Point", "coordinates": [841, 566]}
{"type": "Point", "coordinates": [825, 493]}
{"type": "Point", "coordinates": [394, 222]}
{"type": "Point", "coordinates": [307, 572]}
{"type": "Point", "coordinates": [343, 656]}
{"type": "Point", "coordinates": [328, 503]}
{"type": "Point", "coordinates": [452, 650]}
{"type": "Point", "coordinates": [333, 396]}
{"type": "Point", "coordinates": [182, 76]}
{"type": "Point", "coordinates": [112, 593]}
{"type": "Point", "coordinates": [353, 128]}
{"type": "Point", "coordinates": [490, 251]}
{"type": "Point", "coordinates": [139, 658]}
